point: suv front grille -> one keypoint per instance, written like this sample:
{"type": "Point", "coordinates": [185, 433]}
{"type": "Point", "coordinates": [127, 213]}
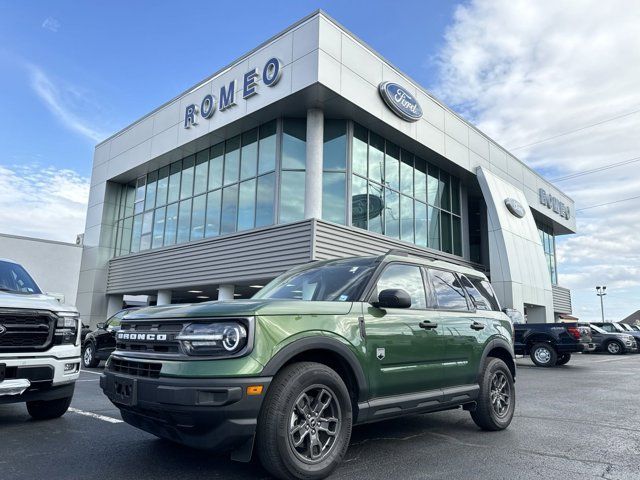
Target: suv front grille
{"type": "Point", "coordinates": [135, 368]}
{"type": "Point", "coordinates": [26, 330]}
{"type": "Point", "coordinates": [168, 345]}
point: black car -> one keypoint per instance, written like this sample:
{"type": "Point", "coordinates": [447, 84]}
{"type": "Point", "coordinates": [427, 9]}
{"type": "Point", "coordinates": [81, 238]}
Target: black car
{"type": "Point", "coordinates": [614, 343]}
{"type": "Point", "coordinates": [99, 343]}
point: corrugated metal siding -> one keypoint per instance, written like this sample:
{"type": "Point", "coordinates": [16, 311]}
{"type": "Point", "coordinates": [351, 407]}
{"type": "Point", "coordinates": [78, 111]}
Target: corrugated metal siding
{"type": "Point", "coordinates": [561, 299]}
{"type": "Point", "coordinates": [263, 253]}
{"type": "Point", "coordinates": [336, 241]}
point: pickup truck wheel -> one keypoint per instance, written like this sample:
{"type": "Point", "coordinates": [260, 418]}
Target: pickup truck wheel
{"type": "Point", "coordinates": [543, 355]}
{"type": "Point", "coordinates": [89, 359]}
{"type": "Point", "coordinates": [304, 427]}
{"type": "Point", "coordinates": [614, 348]}
{"type": "Point", "coordinates": [48, 409]}
{"type": "Point", "coordinates": [497, 400]}
{"type": "Point", "coordinates": [563, 359]}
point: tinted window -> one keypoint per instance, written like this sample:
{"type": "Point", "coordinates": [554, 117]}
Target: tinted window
{"type": "Point", "coordinates": [477, 299]}
{"type": "Point", "coordinates": [484, 289]}
{"type": "Point", "coordinates": [338, 280]}
{"type": "Point", "coordinates": [448, 290]}
{"type": "Point", "coordinates": [15, 279]}
{"type": "Point", "coordinates": [404, 277]}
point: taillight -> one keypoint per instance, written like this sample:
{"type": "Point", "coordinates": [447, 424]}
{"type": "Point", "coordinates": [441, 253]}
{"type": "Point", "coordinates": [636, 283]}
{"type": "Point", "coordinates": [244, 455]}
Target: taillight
{"type": "Point", "coordinates": [575, 332]}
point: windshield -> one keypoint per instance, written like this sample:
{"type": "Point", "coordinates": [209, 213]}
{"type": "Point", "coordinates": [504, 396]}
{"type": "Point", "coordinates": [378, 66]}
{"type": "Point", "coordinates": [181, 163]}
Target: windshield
{"type": "Point", "coordinates": [15, 279]}
{"type": "Point", "coordinates": [333, 281]}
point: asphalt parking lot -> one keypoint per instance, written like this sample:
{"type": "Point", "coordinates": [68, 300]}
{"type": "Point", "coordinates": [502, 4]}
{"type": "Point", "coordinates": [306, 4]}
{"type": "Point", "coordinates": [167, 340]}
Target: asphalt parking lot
{"type": "Point", "coordinates": [578, 421]}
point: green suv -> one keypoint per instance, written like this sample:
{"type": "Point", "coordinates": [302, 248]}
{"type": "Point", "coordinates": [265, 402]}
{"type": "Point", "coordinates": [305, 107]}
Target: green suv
{"type": "Point", "coordinates": [321, 348]}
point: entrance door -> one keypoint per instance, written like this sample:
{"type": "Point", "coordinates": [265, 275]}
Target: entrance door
{"type": "Point", "coordinates": [404, 345]}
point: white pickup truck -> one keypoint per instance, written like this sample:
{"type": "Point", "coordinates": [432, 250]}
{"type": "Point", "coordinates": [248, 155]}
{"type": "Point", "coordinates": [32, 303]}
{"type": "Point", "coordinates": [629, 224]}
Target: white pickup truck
{"type": "Point", "coordinates": [39, 345]}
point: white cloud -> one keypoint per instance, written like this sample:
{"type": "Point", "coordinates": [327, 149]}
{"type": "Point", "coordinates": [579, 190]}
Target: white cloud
{"type": "Point", "coordinates": [43, 202]}
{"type": "Point", "coordinates": [526, 71]}
{"type": "Point", "coordinates": [51, 24]}
{"type": "Point", "coordinates": [64, 102]}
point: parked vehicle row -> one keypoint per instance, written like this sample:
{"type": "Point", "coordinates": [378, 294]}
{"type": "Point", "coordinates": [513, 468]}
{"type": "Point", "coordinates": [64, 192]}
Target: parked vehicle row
{"type": "Point", "coordinates": [551, 344]}
{"type": "Point", "coordinates": [610, 339]}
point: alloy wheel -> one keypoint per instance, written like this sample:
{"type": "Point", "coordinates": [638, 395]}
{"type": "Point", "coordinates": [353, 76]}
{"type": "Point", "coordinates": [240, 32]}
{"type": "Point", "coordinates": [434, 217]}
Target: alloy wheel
{"type": "Point", "coordinates": [314, 424]}
{"type": "Point", "coordinates": [500, 394]}
{"type": "Point", "coordinates": [614, 348]}
{"type": "Point", "coordinates": [88, 355]}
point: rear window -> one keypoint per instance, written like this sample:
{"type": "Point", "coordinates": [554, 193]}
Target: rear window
{"type": "Point", "coordinates": [481, 293]}
{"type": "Point", "coordinates": [449, 292]}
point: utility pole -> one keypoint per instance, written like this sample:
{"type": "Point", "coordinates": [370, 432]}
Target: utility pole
{"type": "Point", "coordinates": [601, 292]}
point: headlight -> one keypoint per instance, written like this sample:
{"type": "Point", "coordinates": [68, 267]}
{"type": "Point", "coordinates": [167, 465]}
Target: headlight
{"type": "Point", "coordinates": [223, 338]}
{"type": "Point", "coordinates": [66, 330]}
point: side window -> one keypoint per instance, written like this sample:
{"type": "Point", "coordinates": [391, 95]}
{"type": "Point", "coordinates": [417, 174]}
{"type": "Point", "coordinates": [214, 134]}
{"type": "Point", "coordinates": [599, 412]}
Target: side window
{"type": "Point", "coordinates": [476, 298]}
{"type": "Point", "coordinates": [449, 292]}
{"type": "Point", "coordinates": [485, 290]}
{"type": "Point", "coordinates": [608, 328]}
{"type": "Point", "coordinates": [407, 278]}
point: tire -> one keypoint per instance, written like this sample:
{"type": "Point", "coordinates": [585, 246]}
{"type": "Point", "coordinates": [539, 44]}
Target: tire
{"type": "Point", "coordinates": [563, 359]}
{"type": "Point", "coordinates": [48, 409]}
{"type": "Point", "coordinates": [490, 415]}
{"type": "Point", "coordinates": [286, 404]}
{"type": "Point", "coordinates": [89, 359]}
{"type": "Point", "coordinates": [614, 348]}
{"type": "Point", "coordinates": [543, 355]}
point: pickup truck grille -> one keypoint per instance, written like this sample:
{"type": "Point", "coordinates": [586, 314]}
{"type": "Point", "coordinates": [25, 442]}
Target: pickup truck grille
{"type": "Point", "coordinates": [26, 330]}
{"type": "Point", "coordinates": [149, 338]}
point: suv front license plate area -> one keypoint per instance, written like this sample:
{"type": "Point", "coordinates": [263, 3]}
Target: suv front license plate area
{"type": "Point", "coordinates": [124, 391]}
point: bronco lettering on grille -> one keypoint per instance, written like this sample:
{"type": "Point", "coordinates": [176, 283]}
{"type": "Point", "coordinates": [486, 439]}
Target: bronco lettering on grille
{"type": "Point", "coordinates": [159, 337]}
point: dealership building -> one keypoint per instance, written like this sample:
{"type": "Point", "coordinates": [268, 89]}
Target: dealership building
{"type": "Point", "coordinates": [311, 146]}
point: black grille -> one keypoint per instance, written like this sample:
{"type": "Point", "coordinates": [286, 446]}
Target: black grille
{"type": "Point", "coordinates": [135, 368]}
{"type": "Point", "coordinates": [166, 346]}
{"type": "Point", "coordinates": [26, 330]}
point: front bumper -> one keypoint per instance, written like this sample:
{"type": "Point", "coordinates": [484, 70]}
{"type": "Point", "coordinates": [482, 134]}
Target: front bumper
{"type": "Point", "coordinates": [206, 413]}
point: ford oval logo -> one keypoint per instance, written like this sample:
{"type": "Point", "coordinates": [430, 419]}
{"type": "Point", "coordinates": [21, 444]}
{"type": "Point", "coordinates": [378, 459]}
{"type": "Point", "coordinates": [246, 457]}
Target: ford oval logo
{"type": "Point", "coordinates": [2, 330]}
{"type": "Point", "coordinates": [401, 102]}
{"type": "Point", "coordinates": [515, 207]}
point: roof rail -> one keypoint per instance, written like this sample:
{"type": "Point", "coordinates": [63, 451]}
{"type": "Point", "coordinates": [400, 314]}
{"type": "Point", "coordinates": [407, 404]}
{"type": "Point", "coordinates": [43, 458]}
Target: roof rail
{"type": "Point", "coordinates": [401, 252]}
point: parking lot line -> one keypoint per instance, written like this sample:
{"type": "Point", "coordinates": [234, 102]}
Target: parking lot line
{"type": "Point", "coordinates": [95, 415]}
{"type": "Point", "coordinates": [89, 371]}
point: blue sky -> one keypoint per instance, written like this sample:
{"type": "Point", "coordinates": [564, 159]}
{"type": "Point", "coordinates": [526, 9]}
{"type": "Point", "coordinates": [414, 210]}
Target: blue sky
{"type": "Point", "coordinates": [72, 73]}
{"type": "Point", "coordinates": [116, 61]}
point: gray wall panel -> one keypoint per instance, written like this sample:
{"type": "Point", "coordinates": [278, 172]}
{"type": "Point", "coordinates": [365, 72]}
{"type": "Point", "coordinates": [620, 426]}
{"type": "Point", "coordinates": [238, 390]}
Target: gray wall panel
{"type": "Point", "coordinates": [256, 254]}
{"type": "Point", "coordinates": [561, 299]}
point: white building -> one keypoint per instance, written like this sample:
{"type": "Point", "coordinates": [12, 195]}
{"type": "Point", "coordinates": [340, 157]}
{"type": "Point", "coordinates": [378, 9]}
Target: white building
{"type": "Point", "coordinates": [308, 147]}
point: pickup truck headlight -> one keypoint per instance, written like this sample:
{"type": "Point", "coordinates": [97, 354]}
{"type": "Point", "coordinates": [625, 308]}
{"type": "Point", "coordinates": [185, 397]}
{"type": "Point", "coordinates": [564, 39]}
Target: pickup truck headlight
{"type": "Point", "coordinates": [66, 330]}
{"type": "Point", "coordinates": [214, 339]}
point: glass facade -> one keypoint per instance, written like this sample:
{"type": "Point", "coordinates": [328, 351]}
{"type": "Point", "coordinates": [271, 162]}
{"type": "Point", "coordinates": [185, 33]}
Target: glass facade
{"type": "Point", "coordinates": [257, 179]}
{"type": "Point", "coordinates": [398, 194]}
{"type": "Point", "coordinates": [549, 245]}
{"type": "Point", "coordinates": [226, 188]}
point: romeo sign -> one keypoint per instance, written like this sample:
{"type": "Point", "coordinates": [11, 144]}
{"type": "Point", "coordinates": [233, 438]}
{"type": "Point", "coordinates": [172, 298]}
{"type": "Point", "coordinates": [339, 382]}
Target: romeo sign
{"type": "Point", "coordinates": [269, 74]}
{"type": "Point", "coordinates": [401, 102]}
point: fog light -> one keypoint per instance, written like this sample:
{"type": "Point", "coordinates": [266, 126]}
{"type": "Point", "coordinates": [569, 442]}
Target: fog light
{"type": "Point", "coordinates": [254, 390]}
{"type": "Point", "coordinates": [71, 367]}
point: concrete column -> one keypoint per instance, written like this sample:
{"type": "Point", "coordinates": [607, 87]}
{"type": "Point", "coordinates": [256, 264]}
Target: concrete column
{"type": "Point", "coordinates": [313, 177]}
{"type": "Point", "coordinates": [164, 297]}
{"type": "Point", "coordinates": [225, 292]}
{"type": "Point", "coordinates": [114, 304]}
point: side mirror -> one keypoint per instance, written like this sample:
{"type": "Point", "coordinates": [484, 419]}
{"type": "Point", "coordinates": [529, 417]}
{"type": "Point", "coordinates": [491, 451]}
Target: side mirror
{"type": "Point", "coordinates": [101, 325]}
{"type": "Point", "coordinates": [393, 298]}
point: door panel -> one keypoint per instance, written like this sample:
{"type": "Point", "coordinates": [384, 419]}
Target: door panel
{"type": "Point", "coordinates": [463, 347]}
{"type": "Point", "coordinates": [404, 356]}
{"type": "Point", "coordinates": [413, 356]}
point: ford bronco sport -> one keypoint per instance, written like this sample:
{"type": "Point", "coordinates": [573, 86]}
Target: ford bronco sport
{"type": "Point", "coordinates": [39, 345]}
{"type": "Point", "coordinates": [322, 347]}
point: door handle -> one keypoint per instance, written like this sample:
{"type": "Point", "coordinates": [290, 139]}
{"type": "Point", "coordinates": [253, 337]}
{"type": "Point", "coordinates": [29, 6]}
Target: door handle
{"type": "Point", "coordinates": [477, 325]}
{"type": "Point", "coordinates": [428, 325]}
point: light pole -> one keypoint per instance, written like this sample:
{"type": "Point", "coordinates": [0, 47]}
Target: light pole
{"type": "Point", "coordinates": [601, 292]}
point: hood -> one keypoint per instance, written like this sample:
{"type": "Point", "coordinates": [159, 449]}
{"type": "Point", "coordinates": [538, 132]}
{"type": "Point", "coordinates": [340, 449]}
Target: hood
{"type": "Point", "coordinates": [36, 301]}
{"type": "Point", "coordinates": [241, 308]}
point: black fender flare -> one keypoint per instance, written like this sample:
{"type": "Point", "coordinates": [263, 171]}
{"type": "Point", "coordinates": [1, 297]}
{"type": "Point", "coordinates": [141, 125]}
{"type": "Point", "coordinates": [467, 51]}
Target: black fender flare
{"type": "Point", "coordinates": [497, 343]}
{"type": "Point", "coordinates": [319, 343]}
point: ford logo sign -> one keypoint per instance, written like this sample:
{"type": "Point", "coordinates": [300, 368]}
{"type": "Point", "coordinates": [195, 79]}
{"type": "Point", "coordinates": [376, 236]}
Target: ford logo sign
{"type": "Point", "coordinates": [515, 207]}
{"type": "Point", "coordinates": [401, 102]}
